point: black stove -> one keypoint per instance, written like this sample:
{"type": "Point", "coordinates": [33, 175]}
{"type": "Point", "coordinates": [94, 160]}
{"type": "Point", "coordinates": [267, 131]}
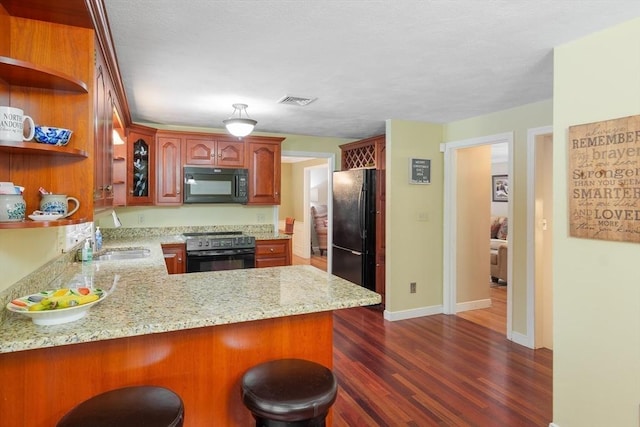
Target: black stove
{"type": "Point", "coordinates": [219, 240]}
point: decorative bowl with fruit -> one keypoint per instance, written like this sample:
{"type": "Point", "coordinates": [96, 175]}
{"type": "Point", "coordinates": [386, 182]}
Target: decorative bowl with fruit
{"type": "Point", "coordinates": [57, 306]}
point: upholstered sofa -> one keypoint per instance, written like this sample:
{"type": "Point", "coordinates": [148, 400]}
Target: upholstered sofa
{"type": "Point", "coordinates": [498, 248]}
{"type": "Point", "coordinates": [319, 229]}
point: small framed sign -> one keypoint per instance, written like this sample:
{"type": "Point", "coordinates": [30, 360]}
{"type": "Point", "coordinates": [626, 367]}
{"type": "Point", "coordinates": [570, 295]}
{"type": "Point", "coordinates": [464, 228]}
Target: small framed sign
{"type": "Point", "coordinates": [419, 171]}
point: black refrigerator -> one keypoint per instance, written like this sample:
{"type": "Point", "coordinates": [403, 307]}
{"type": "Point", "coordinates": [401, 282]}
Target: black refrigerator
{"type": "Point", "coordinates": [354, 226]}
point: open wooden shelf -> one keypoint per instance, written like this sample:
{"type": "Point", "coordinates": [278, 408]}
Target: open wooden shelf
{"type": "Point", "coordinates": [22, 73]}
{"type": "Point", "coordinates": [26, 147]}
{"type": "Point", "coordinates": [27, 223]}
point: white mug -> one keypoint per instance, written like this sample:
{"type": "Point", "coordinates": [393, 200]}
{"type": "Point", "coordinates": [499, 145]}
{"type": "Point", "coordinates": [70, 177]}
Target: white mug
{"type": "Point", "coordinates": [12, 124]}
{"type": "Point", "coordinates": [58, 204]}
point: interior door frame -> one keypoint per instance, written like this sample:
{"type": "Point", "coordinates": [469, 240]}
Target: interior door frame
{"type": "Point", "coordinates": [331, 161]}
{"type": "Point", "coordinates": [449, 286]}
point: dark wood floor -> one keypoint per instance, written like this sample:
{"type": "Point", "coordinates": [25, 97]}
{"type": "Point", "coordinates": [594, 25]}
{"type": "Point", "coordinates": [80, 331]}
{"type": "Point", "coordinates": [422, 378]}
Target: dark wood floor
{"type": "Point", "coordinates": [435, 371]}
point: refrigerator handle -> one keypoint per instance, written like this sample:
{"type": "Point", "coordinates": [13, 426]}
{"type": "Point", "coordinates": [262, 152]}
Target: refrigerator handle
{"type": "Point", "coordinates": [348, 250]}
{"type": "Point", "coordinates": [361, 212]}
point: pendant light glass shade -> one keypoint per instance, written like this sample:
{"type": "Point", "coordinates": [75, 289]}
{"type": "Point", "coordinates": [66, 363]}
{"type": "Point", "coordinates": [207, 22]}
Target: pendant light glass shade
{"type": "Point", "coordinates": [238, 125]}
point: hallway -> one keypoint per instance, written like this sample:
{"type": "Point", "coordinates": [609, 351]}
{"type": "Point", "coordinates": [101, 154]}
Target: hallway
{"type": "Point", "coordinates": [494, 317]}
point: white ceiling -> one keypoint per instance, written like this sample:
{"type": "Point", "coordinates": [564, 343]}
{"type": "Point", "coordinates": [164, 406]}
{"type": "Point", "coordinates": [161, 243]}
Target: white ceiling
{"type": "Point", "coordinates": [185, 62]}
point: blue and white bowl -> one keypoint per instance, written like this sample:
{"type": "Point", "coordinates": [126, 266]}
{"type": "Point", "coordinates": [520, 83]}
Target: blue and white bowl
{"type": "Point", "coordinates": [51, 135]}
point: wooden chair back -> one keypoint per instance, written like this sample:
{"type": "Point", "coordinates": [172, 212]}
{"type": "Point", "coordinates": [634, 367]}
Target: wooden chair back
{"type": "Point", "coordinates": [288, 225]}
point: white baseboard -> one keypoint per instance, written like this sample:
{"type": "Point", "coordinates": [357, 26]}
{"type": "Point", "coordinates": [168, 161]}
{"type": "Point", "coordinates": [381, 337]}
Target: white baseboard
{"type": "Point", "coordinates": [521, 339]}
{"type": "Point", "coordinates": [413, 313]}
{"type": "Point", "coordinates": [473, 305]}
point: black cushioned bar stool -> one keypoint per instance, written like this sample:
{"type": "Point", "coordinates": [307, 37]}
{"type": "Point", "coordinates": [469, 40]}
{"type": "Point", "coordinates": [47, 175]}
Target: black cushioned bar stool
{"type": "Point", "coordinates": [289, 393]}
{"type": "Point", "coordinates": [137, 406]}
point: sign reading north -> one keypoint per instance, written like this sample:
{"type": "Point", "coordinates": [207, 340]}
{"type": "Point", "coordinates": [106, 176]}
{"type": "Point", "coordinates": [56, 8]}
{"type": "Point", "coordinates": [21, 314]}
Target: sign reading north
{"type": "Point", "coordinates": [604, 180]}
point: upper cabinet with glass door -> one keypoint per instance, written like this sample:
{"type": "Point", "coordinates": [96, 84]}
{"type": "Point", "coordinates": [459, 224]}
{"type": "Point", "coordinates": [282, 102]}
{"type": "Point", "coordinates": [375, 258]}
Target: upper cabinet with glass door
{"type": "Point", "coordinates": [141, 166]}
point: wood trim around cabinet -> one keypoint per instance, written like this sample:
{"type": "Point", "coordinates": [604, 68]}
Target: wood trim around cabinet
{"type": "Point", "coordinates": [98, 16]}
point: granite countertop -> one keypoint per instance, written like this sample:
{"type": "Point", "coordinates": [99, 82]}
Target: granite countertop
{"type": "Point", "coordinates": [144, 299]}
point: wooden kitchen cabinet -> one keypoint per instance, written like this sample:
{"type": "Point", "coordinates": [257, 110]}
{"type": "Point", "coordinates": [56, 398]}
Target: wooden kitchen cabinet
{"type": "Point", "coordinates": [169, 170]}
{"type": "Point", "coordinates": [51, 78]}
{"type": "Point", "coordinates": [273, 253]}
{"type": "Point", "coordinates": [141, 166]}
{"type": "Point", "coordinates": [103, 192]}
{"type": "Point", "coordinates": [175, 257]}
{"type": "Point", "coordinates": [214, 151]}
{"type": "Point", "coordinates": [264, 163]}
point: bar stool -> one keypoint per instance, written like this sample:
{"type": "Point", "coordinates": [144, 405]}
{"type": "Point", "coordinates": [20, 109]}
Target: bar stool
{"type": "Point", "coordinates": [289, 392]}
{"type": "Point", "coordinates": [128, 407]}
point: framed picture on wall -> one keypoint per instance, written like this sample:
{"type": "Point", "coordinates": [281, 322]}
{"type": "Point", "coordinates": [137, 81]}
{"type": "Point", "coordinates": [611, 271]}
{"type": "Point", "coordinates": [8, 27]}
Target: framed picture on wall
{"type": "Point", "coordinates": [500, 188]}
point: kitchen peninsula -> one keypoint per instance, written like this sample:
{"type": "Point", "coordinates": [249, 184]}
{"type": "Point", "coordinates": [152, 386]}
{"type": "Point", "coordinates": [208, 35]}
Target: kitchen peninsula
{"type": "Point", "coordinates": [194, 333]}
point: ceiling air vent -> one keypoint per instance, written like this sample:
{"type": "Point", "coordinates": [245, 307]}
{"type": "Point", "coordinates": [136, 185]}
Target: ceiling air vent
{"type": "Point", "coordinates": [296, 100]}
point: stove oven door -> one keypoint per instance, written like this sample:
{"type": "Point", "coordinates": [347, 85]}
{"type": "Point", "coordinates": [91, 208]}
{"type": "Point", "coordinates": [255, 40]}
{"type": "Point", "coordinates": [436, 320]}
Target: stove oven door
{"type": "Point", "coordinates": [218, 260]}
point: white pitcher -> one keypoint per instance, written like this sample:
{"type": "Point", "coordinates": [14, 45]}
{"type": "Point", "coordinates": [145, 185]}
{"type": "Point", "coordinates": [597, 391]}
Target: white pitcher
{"type": "Point", "coordinates": [12, 207]}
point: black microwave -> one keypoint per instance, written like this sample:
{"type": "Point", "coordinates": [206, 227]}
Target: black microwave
{"type": "Point", "coordinates": [215, 185]}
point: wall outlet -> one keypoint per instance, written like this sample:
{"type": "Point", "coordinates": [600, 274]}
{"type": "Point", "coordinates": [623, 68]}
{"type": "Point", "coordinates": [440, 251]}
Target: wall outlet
{"type": "Point", "coordinates": [140, 218]}
{"type": "Point", "coordinates": [261, 218]}
{"type": "Point", "coordinates": [412, 287]}
{"type": "Point", "coordinates": [423, 216]}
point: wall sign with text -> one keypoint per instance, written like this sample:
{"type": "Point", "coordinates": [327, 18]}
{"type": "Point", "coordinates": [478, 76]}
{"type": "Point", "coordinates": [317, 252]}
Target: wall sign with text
{"type": "Point", "coordinates": [419, 171]}
{"type": "Point", "coordinates": [604, 180]}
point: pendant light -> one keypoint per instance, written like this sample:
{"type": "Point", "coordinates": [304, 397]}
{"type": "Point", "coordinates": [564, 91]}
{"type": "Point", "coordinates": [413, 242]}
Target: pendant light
{"type": "Point", "coordinates": [238, 125]}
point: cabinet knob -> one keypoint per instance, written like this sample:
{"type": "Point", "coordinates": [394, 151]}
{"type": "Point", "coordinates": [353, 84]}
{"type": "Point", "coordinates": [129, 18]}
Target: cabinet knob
{"type": "Point", "coordinates": [213, 155]}
{"type": "Point", "coordinates": [179, 259]}
{"type": "Point", "coordinates": [178, 192]}
{"type": "Point", "coordinates": [271, 249]}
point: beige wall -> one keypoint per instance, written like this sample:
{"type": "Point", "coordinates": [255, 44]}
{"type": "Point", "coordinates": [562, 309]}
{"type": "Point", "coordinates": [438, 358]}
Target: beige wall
{"type": "Point", "coordinates": [24, 250]}
{"type": "Point", "coordinates": [543, 241]}
{"type": "Point", "coordinates": [298, 185]}
{"type": "Point", "coordinates": [414, 247]}
{"type": "Point", "coordinates": [197, 214]}
{"type": "Point", "coordinates": [517, 120]}
{"type": "Point", "coordinates": [596, 375]}
{"type": "Point", "coordinates": [472, 239]}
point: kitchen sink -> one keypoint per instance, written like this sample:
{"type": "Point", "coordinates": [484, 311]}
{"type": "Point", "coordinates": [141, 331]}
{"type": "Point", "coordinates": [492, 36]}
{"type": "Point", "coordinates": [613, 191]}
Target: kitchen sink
{"type": "Point", "coordinates": [112, 255]}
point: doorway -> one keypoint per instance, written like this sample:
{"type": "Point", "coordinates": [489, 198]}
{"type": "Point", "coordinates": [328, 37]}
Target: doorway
{"type": "Point", "coordinates": [453, 207]}
{"type": "Point", "coordinates": [483, 206]}
{"type": "Point", "coordinates": [310, 180]}
{"type": "Point", "coordinates": [539, 240]}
